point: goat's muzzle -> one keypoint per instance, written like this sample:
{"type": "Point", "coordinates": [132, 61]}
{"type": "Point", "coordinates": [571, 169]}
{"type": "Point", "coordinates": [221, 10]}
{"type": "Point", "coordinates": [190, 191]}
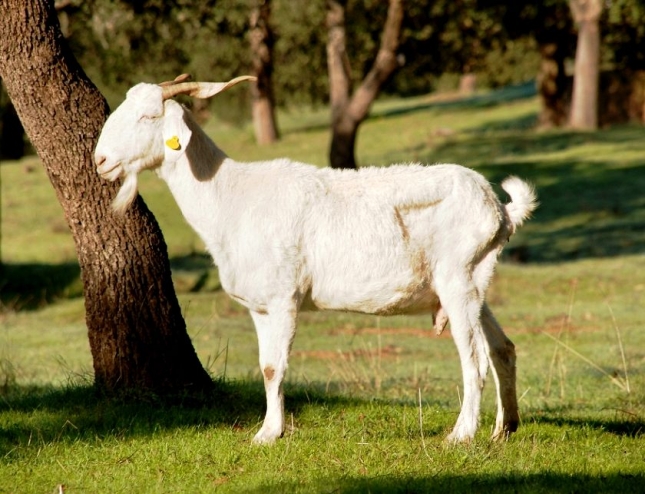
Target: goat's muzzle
{"type": "Point", "coordinates": [105, 170]}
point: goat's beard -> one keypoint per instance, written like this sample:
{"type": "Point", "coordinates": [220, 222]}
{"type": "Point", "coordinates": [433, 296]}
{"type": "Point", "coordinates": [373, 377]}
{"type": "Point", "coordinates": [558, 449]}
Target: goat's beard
{"type": "Point", "coordinates": [127, 194]}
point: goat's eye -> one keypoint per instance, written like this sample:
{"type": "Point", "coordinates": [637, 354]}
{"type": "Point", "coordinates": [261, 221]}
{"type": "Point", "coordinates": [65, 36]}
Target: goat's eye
{"type": "Point", "coordinates": [147, 118]}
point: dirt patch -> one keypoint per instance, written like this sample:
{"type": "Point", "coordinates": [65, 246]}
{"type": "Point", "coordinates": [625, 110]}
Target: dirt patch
{"type": "Point", "coordinates": [560, 323]}
{"type": "Point", "coordinates": [553, 325]}
{"type": "Point", "coordinates": [388, 351]}
{"type": "Point", "coordinates": [417, 332]}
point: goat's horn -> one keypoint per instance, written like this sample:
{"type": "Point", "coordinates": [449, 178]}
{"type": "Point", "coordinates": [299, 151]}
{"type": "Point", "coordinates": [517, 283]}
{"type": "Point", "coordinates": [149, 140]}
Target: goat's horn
{"type": "Point", "coordinates": [173, 89]}
{"type": "Point", "coordinates": [202, 89]}
{"type": "Point", "coordinates": [178, 79]}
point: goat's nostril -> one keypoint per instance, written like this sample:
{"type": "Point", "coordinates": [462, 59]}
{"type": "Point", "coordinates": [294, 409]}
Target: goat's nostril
{"type": "Point", "coordinates": [99, 160]}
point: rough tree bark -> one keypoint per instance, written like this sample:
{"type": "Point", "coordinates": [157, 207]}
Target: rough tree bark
{"type": "Point", "coordinates": [348, 112]}
{"type": "Point", "coordinates": [137, 334]}
{"type": "Point", "coordinates": [584, 101]}
{"type": "Point", "coordinates": [263, 101]}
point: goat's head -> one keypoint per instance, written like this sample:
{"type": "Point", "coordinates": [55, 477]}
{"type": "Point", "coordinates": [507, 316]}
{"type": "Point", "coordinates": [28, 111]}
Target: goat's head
{"type": "Point", "coordinates": [147, 130]}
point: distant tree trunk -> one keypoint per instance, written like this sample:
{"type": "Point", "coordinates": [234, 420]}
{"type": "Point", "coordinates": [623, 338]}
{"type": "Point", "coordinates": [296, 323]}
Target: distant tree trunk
{"type": "Point", "coordinates": [261, 37]}
{"type": "Point", "coordinates": [584, 101]}
{"type": "Point", "coordinates": [553, 86]}
{"type": "Point", "coordinates": [467, 84]}
{"type": "Point", "coordinates": [137, 334]}
{"type": "Point", "coordinates": [348, 112]}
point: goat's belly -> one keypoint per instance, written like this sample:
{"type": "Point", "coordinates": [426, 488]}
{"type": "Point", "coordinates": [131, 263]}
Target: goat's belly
{"type": "Point", "coordinates": [376, 298]}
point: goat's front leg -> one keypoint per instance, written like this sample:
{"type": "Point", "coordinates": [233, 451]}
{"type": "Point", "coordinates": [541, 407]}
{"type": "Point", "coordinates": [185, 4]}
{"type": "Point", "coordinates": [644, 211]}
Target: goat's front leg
{"type": "Point", "coordinates": [275, 331]}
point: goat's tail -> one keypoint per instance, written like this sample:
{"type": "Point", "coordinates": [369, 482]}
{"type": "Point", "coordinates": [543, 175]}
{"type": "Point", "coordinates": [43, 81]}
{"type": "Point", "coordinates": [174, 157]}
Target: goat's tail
{"type": "Point", "coordinates": [523, 200]}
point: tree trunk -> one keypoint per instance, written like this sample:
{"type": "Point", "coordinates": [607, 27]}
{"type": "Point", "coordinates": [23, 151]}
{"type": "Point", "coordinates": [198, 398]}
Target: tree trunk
{"type": "Point", "coordinates": [553, 86]}
{"type": "Point", "coordinates": [343, 128]}
{"type": "Point", "coordinates": [467, 84]}
{"type": "Point", "coordinates": [137, 334]}
{"type": "Point", "coordinates": [348, 113]}
{"type": "Point", "coordinates": [584, 100]}
{"type": "Point", "coordinates": [263, 102]}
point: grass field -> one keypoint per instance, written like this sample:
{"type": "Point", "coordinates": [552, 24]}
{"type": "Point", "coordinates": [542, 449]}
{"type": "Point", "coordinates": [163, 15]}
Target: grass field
{"type": "Point", "coordinates": [369, 400]}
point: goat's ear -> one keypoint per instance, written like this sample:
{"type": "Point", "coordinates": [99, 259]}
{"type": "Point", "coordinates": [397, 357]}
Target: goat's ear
{"type": "Point", "coordinates": [176, 134]}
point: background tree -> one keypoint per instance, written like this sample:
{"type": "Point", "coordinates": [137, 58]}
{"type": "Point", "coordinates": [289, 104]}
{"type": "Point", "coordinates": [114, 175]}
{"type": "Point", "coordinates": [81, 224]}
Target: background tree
{"type": "Point", "coordinates": [263, 101]}
{"type": "Point", "coordinates": [584, 102]}
{"type": "Point", "coordinates": [137, 334]}
{"type": "Point", "coordinates": [621, 85]}
{"type": "Point", "coordinates": [541, 34]}
{"type": "Point", "coordinates": [121, 42]}
{"type": "Point", "coordinates": [350, 110]}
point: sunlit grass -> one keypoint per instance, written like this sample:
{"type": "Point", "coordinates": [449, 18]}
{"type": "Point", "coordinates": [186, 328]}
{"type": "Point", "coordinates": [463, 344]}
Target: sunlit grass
{"type": "Point", "coordinates": [572, 305]}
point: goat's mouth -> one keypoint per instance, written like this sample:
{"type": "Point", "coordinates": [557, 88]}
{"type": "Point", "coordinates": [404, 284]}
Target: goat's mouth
{"type": "Point", "coordinates": [107, 170]}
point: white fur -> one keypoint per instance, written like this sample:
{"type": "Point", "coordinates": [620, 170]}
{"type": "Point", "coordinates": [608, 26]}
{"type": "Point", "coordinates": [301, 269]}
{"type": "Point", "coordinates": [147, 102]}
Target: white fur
{"type": "Point", "coordinates": [288, 236]}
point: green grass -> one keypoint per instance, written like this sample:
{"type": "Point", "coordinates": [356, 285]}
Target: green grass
{"type": "Point", "coordinates": [573, 307]}
{"type": "Point", "coordinates": [337, 444]}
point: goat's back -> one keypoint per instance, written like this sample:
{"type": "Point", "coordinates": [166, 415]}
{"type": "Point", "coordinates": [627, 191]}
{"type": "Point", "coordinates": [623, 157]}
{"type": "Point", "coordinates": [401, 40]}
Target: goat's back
{"type": "Point", "coordinates": [373, 237]}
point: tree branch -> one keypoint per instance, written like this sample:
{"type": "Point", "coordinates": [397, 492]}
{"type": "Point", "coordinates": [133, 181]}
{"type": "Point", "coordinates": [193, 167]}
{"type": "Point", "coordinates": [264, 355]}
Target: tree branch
{"type": "Point", "coordinates": [385, 64]}
{"type": "Point", "coordinates": [585, 10]}
{"type": "Point", "coordinates": [337, 60]}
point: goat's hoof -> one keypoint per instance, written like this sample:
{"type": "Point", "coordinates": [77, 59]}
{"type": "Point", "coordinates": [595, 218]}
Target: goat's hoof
{"type": "Point", "coordinates": [504, 432]}
{"type": "Point", "coordinates": [455, 438]}
{"type": "Point", "coordinates": [500, 437]}
{"type": "Point", "coordinates": [266, 436]}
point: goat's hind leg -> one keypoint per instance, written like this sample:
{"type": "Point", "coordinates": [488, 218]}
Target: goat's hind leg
{"type": "Point", "coordinates": [275, 332]}
{"type": "Point", "coordinates": [502, 357]}
{"type": "Point", "coordinates": [468, 336]}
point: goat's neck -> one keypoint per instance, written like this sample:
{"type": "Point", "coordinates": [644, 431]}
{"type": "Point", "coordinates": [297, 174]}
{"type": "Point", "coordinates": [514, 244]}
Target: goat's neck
{"type": "Point", "coordinates": [193, 181]}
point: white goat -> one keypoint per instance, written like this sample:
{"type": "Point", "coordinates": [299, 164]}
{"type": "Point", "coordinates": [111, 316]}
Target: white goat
{"type": "Point", "coordinates": [288, 236]}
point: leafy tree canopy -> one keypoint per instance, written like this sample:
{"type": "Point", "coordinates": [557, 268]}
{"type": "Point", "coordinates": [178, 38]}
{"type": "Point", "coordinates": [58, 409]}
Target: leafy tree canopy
{"type": "Point", "coordinates": [121, 42]}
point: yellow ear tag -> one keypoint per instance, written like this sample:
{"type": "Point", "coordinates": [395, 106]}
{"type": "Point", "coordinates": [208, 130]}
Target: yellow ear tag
{"type": "Point", "coordinates": [173, 143]}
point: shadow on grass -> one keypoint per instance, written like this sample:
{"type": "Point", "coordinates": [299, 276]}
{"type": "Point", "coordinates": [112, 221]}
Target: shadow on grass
{"type": "Point", "coordinates": [583, 214]}
{"type": "Point", "coordinates": [510, 483]}
{"type": "Point", "coordinates": [496, 97]}
{"type": "Point", "coordinates": [634, 428]}
{"type": "Point", "coordinates": [588, 208]}
{"type": "Point", "coordinates": [195, 262]}
{"type": "Point", "coordinates": [32, 286]}
{"type": "Point", "coordinates": [79, 413]}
